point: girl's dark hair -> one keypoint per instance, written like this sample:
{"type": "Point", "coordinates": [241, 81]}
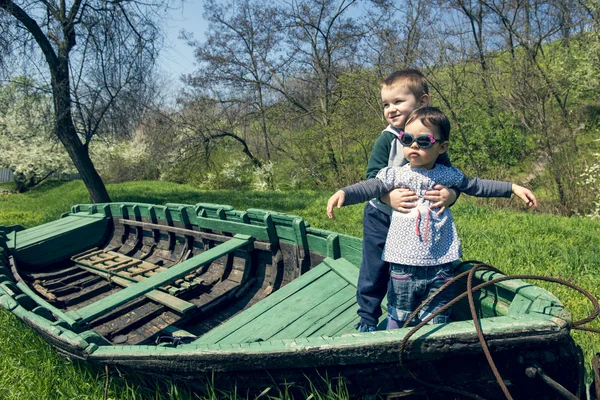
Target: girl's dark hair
{"type": "Point", "coordinates": [431, 116]}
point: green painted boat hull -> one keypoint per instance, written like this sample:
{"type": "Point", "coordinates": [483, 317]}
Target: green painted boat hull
{"type": "Point", "coordinates": [256, 297]}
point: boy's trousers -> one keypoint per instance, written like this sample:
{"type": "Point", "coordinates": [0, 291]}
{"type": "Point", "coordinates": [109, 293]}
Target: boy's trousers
{"type": "Point", "coordinates": [374, 273]}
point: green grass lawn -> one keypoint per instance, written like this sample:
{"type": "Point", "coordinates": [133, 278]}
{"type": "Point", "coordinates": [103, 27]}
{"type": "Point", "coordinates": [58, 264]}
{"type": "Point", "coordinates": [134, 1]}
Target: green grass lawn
{"type": "Point", "coordinates": [516, 242]}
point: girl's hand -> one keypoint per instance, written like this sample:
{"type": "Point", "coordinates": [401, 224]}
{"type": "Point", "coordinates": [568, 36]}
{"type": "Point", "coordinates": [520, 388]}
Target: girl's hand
{"type": "Point", "coordinates": [402, 199]}
{"type": "Point", "coordinates": [337, 200]}
{"type": "Point", "coordinates": [525, 194]}
{"type": "Point", "coordinates": [442, 198]}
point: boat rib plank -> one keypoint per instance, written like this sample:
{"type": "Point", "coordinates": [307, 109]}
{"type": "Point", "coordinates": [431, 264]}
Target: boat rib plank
{"type": "Point", "coordinates": [238, 322]}
{"type": "Point", "coordinates": [177, 271]}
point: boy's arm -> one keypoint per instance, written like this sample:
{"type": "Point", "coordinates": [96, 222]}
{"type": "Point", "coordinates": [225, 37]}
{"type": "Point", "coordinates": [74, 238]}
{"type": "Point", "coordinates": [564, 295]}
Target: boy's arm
{"type": "Point", "coordinates": [380, 155]}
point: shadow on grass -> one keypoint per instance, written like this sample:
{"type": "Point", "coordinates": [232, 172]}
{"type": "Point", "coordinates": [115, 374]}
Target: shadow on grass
{"type": "Point", "coordinates": [41, 189]}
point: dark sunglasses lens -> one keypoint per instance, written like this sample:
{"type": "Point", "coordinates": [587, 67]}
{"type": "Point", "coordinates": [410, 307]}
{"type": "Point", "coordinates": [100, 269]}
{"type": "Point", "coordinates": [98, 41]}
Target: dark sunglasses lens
{"type": "Point", "coordinates": [406, 139]}
{"type": "Point", "coordinates": [424, 142]}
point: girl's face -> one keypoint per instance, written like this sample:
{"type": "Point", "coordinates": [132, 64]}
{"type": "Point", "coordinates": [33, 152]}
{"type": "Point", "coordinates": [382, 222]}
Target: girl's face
{"type": "Point", "coordinates": [419, 157]}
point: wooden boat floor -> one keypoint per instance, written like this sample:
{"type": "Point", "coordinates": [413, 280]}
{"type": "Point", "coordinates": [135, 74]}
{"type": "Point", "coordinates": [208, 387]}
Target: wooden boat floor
{"type": "Point", "coordinates": [321, 302]}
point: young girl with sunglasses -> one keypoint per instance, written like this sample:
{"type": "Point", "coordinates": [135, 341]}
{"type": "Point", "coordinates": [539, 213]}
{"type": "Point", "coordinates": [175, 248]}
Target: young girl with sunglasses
{"type": "Point", "coordinates": [421, 245]}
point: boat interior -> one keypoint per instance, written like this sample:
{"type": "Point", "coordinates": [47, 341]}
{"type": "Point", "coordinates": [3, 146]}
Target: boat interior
{"type": "Point", "coordinates": [203, 274]}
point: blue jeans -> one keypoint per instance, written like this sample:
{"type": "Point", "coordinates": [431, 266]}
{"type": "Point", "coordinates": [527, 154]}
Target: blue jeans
{"type": "Point", "coordinates": [410, 285]}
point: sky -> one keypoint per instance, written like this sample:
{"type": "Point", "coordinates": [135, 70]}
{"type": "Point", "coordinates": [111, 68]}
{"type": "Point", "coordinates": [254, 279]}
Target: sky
{"type": "Point", "coordinates": [177, 57]}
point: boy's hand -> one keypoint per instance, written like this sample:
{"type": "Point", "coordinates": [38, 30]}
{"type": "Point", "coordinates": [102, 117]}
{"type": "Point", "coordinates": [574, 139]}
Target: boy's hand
{"type": "Point", "coordinates": [337, 200]}
{"type": "Point", "coordinates": [402, 199]}
{"type": "Point", "coordinates": [442, 198]}
{"type": "Point", "coordinates": [525, 194]}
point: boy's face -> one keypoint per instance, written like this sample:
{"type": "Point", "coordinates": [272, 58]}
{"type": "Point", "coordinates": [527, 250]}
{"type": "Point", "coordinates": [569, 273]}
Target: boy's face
{"type": "Point", "coordinates": [398, 102]}
{"type": "Point", "coordinates": [419, 157]}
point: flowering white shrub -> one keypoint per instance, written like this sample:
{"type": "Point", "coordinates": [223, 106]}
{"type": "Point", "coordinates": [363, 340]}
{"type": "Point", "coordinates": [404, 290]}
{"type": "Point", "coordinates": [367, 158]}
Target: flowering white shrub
{"type": "Point", "coordinates": [233, 174]}
{"type": "Point", "coordinates": [263, 177]}
{"type": "Point", "coordinates": [590, 180]}
{"type": "Point", "coordinates": [28, 145]}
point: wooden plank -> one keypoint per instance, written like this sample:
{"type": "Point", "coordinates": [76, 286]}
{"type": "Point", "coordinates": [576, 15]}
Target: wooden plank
{"type": "Point", "coordinates": [264, 305]}
{"type": "Point", "coordinates": [64, 244]}
{"type": "Point", "coordinates": [317, 317]}
{"type": "Point", "coordinates": [177, 271]}
{"type": "Point", "coordinates": [41, 233]}
{"type": "Point", "coordinates": [341, 312]}
{"type": "Point", "coordinates": [103, 260]}
{"type": "Point", "coordinates": [94, 269]}
{"type": "Point", "coordinates": [124, 265]}
{"type": "Point", "coordinates": [158, 296]}
{"type": "Point", "coordinates": [349, 272]}
{"type": "Point", "coordinates": [343, 268]}
{"type": "Point", "coordinates": [340, 324]}
{"type": "Point", "coordinates": [258, 232]}
{"type": "Point", "coordinates": [285, 313]}
{"type": "Point", "coordinates": [88, 251]}
{"type": "Point", "coordinates": [87, 254]}
{"type": "Point", "coordinates": [146, 267]}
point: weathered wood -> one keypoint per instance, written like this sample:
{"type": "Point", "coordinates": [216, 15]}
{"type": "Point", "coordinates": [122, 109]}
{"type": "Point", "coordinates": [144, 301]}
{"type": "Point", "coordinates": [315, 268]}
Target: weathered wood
{"type": "Point", "coordinates": [286, 312]}
{"type": "Point", "coordinates": [141, 288]}
{"type": "Point", "coordinates": [163, 298]}
{"type": "Point", "coordinates": [231, 326]}
{"type": "Point", "coordinates": [321, 315]}
{"type": "Point", "coordinates": [243, 307]}
{"type": "Point", "coordinates": [104, 260]}
{"type": "Point", "coordinates": [205, 223]}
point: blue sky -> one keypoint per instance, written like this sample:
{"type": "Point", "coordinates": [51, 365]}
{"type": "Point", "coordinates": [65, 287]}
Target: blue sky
{"type": "Point", "coordinates": [178, 58]}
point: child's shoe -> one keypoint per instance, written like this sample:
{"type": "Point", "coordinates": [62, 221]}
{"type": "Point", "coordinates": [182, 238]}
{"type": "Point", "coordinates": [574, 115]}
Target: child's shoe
{"type": "Point", "coordinates": [362, 327]}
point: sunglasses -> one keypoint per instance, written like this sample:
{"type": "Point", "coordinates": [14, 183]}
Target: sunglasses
{"type": "Point", "coordinates": [423, 141]}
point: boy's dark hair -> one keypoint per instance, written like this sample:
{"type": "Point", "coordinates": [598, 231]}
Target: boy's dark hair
{"type": "Point", "coordinates": [432, 116]}
{"type": "Point", "coordinates": [413, 79]}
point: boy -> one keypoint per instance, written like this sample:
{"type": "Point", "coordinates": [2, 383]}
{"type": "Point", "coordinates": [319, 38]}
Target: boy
{"type": "Point", "coordinates": [422, 245]}
{"type": "Point", "coordinates": [401, 93]}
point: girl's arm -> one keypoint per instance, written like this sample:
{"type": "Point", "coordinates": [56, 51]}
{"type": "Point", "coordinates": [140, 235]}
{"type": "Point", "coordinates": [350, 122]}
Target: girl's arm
{"type": "Point", "coordinates": [357, 193]}
{"type": "Point", "coordinates": [489, 188]}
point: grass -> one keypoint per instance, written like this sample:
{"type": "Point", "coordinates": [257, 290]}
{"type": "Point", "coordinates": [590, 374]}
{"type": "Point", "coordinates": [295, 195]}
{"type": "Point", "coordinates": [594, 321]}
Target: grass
{"type": "Point", "coordinates": [516, 242]}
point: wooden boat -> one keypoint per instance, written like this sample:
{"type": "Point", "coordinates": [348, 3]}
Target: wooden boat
{"type": "Point", "coordinates": [257, 297]}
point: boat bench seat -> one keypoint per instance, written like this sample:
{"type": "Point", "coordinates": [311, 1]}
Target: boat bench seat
{"type": "Point", "coordinates": [322, 302]}
{"type": "Point", "coordinates": [57, 240]}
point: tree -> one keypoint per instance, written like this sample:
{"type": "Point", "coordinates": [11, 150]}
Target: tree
{"type": "Point", "coordinates": [268, 67]}
{"type": "Point", "coordinates": [395, 45]}
{"type": "Point", "coordinates": [323, 43]}
{"type": "Point", "coordinates": [86, 44]}
{"type": "Point", "coordinates": [235, 65]}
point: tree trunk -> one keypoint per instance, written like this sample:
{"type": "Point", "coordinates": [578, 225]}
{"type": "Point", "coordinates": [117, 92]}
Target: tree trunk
{"type": "Point", "coordinates": [65, 130]}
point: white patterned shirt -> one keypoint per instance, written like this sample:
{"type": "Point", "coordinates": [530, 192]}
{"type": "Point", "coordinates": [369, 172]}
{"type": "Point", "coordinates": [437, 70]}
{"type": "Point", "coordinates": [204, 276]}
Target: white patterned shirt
{"type": "Point", "coordinates": [421, 237]}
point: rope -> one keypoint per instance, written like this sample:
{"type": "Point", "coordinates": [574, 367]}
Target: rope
{"type": "Point", "coordinates": [469, 293]}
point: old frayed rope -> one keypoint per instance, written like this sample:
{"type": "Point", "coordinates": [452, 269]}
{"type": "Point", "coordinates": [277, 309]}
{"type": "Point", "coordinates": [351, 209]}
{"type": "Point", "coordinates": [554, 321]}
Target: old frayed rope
{"type": "Point", "coordinates": [469, 293]}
